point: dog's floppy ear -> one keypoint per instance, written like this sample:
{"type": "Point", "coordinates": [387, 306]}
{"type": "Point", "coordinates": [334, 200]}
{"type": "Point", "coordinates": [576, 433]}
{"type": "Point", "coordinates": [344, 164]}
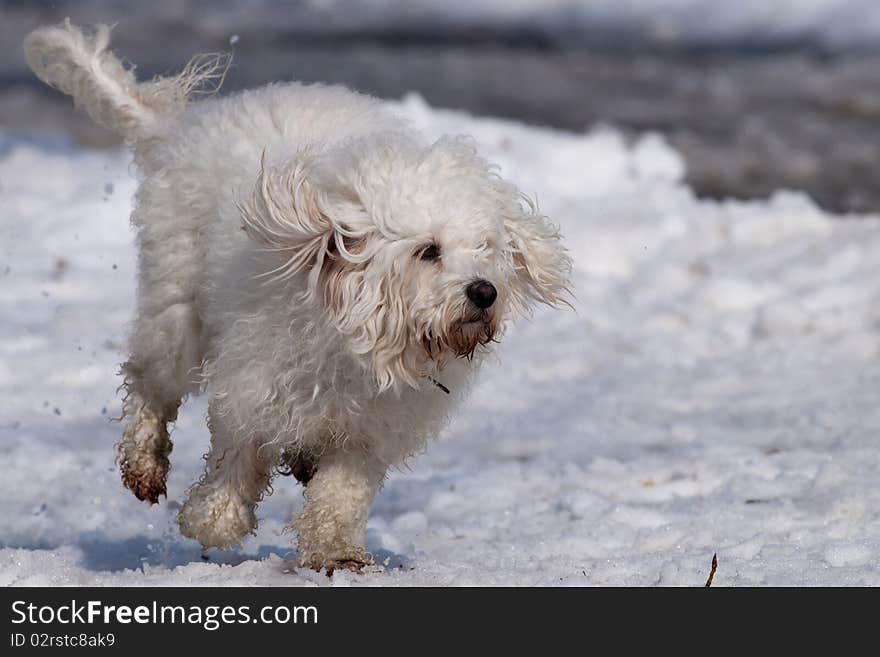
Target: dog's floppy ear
{"type": "Point", "coordinates": [303, 218]}
{"type": "Point", "coordinates": [305, 213]}
{"type": "Point", "coordinates": [541, 262]}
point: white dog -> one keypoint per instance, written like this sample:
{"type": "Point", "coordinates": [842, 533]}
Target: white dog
{"type": "Point", "coordinates": [333, 280]}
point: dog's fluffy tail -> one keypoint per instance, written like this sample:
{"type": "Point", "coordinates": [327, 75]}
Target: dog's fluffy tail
{"type": "Point", "coordinates": [80, 65]}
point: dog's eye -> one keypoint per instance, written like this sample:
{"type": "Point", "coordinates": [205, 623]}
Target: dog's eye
{"type": "Point", "coordinates": [430, 253]}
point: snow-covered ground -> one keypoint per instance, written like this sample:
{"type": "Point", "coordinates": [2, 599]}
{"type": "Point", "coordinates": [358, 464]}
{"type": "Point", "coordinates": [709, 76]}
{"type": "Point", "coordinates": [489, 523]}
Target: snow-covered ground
{"type": "Point", "coordinates": [716, 389]}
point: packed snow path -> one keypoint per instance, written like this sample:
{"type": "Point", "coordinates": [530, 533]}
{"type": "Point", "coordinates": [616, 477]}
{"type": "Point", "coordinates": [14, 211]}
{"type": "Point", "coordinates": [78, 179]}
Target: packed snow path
{"type": "Point", "coordinates": [716, 389]}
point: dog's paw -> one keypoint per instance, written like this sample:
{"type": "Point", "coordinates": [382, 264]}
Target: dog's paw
{"type": "Point", "coordinates": [147, 484]}
{"type": "Point", "coordinates": [143, 456]}
{"type": "Point", "coordinates": [216, 519]}
{"type": "Point", "coordinates": [351, 565]}
{"type": "Point", "coordinates": [329, 566]}
{"type": "Point", "coordinates": [352, 559]}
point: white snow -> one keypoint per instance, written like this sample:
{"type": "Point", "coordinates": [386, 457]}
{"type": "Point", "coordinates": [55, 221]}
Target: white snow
{"type": "Point", "coordinates": [715, 389]}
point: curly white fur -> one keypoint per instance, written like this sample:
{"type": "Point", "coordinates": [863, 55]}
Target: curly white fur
{"type": "Point", "coordinates": [306, 257]}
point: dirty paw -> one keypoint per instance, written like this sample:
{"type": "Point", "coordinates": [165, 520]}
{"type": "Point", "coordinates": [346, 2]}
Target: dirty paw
{"type": "Point", "coordinates": [216, 518]}
{"type": "Point", "coordinates": [352, 565]}
{"type": "Point", "coordinates": [148, 487]}
{"type": "Point", "coordinates": [143, 456]}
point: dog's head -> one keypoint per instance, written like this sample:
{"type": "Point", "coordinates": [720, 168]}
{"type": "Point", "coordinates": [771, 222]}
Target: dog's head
{"type": "Point", "coordinates": [416, 254]}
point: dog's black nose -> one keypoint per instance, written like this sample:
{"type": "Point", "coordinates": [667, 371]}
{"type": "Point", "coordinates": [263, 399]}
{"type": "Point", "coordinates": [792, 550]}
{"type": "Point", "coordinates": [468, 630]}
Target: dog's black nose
{"type": "Point", "coordinates": [482, 293]}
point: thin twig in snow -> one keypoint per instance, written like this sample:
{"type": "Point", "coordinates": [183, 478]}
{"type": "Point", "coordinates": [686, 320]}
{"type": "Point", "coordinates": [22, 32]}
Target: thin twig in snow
{"type": "Point", "coordinates": [712, 572]}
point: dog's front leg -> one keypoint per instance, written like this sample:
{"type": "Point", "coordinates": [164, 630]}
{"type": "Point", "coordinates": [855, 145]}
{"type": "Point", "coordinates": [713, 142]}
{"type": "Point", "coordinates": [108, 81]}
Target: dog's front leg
{"type": "Point", "coordinates": [221, 508]}
{"type": "Point", "coordinates": [333, 522]}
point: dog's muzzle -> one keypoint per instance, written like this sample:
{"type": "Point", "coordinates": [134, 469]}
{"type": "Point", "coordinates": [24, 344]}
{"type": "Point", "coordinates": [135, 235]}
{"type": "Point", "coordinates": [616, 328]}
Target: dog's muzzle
{"type": "Point", "coordinates": [475, 328]}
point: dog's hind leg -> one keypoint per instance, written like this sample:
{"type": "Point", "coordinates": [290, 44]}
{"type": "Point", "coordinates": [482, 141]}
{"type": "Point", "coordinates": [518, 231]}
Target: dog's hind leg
{"type": "Point", "coordinates": [166, 340]}
{"type": "Point", "coordinates": [158, 375]}
{"type": "Point", "coordinates": [221, 508]}
{"type": "Point", "coordinates": [165, 356]}
{"type": "Point", "coordinates": [333, 522]}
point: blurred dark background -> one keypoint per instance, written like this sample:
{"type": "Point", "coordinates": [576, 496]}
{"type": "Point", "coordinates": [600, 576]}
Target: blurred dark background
{"type": "Point", "coordinates": [756, 95]}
